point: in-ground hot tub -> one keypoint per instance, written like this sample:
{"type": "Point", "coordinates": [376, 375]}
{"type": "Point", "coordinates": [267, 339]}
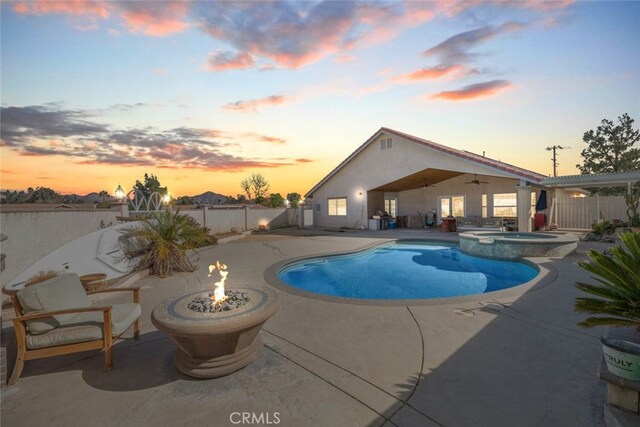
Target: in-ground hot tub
{"type": "Point", "coordinates": [512, 245]}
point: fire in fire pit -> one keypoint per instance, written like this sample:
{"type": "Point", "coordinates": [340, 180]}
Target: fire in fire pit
{"type": "Point", "coordinates": [219, 300]}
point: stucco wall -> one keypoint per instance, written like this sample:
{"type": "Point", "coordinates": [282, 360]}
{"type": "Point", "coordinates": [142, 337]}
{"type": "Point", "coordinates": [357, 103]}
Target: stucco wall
{"type": "Point", "coordinates": [32, 235]}
{"type": "Point", "coordinates": [374, 167]}
{"type": "Point", "coordinates": [222, 220]}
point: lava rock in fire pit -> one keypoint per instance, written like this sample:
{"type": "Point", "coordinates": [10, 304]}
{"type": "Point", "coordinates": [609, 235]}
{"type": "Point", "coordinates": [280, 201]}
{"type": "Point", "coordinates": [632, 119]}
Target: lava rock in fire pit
{"type": "Point", "coordinates": [233, 300]}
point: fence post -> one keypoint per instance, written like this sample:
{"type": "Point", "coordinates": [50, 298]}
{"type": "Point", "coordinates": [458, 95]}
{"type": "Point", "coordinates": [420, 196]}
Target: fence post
{"type": "Point", "coordinates": [204, 215]}
{"type": "Point", "coordinates": [124, 210]}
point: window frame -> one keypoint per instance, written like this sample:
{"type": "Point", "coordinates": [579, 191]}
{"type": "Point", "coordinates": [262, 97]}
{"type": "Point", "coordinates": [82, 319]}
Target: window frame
{"type": "Point", "coordinates": [495, 205]}
{"type": "Point", "coordinates": [330, 212]}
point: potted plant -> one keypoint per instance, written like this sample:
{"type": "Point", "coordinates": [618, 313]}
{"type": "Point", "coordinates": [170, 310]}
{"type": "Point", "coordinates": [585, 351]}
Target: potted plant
{"type": "Point", "coordinates": [617, 303]}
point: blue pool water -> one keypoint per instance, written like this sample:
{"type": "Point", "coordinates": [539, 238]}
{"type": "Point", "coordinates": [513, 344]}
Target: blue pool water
{"type": "Point", "coordinates": [405, 271]}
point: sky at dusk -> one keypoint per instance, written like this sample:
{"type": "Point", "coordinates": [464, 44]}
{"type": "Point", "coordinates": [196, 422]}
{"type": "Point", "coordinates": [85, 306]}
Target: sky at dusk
{"type": "Point", "coordinates": [202, 94]}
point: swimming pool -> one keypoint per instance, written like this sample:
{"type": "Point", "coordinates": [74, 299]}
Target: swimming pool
{"type": "Point", "coordinates": [405, 270]}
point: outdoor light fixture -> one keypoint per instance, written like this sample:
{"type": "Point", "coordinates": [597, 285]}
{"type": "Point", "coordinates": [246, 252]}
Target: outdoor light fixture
{"type": "Point", "coordinates": [119, 193]}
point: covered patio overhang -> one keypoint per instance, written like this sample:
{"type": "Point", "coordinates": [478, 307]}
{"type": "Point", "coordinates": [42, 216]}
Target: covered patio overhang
{"type": "Point", "coordinates": [430, 177]}
{"type": "Point", "coordinates": [423, 178]}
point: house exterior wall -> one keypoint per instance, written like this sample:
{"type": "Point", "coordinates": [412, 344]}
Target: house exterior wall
{"type": "Point", "coordinates": [423, 200]}
{"type": "Point", "coordinates": [374, 167]}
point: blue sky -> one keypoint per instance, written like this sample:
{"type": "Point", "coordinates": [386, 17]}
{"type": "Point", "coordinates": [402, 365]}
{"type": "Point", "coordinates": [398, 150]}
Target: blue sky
{"type": "Point", "coordinates": [204, 93]}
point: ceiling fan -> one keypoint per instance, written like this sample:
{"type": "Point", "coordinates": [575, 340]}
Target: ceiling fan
{"type": "Point", "coordinates": [425, 185]}
{"type": "Point", "coordinates": [476, 181]}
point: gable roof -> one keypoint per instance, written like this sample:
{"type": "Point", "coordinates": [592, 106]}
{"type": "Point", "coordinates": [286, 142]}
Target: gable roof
{"type": "Point", "coordinates": [466, 155]}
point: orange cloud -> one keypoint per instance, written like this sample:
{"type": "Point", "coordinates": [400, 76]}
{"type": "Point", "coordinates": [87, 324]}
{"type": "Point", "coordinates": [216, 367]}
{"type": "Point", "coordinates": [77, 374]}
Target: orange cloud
{"type": "Point", "coordinates": [156, 18]}
{"type": "Point", "coordinates": [430, 73]}
{"type": "Point", "coordinates": [304, 160]}
{"type": "Point", "coordinates": [78, 7]}
{"type": "Point", "coordinates": [253, 105]}
{"type": "Point", "coordinates": [478, 90]}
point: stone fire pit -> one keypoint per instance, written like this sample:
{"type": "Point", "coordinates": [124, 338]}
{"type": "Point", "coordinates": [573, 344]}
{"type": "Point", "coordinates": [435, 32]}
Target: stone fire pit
{"type": "Point", "coordinates": [214, 344]}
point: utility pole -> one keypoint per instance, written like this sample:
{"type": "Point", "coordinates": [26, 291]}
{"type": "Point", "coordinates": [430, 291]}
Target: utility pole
{"type": "Point", "coordinates": [554, 159]}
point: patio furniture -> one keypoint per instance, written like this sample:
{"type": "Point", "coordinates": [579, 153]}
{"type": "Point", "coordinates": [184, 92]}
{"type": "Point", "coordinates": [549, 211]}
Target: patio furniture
{"type": "Point", "coordinates": [93, 278]}
{"type": "Point", "coordinates": [55, 317]}
{"type": "Point", "coordinates": [476, 223]}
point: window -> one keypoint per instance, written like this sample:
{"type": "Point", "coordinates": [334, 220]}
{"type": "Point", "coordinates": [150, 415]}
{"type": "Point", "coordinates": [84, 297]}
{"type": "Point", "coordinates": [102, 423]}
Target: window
{"type": "Point", "coordinates": [505, 205]}
{"type": "Point", "coordinates": [337, 207]}
{"type": "Point", "coordinates": [485, 207]}
{"type": "Point", "coordinates": [391, 207]}
{"type": "Point", "coordinates": [385, 144]}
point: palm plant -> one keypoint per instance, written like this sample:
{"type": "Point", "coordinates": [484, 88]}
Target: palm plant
{"type": "Point", "coordinates": [163, 239]}
{"type": "Point", "coordinates": [618, 276]}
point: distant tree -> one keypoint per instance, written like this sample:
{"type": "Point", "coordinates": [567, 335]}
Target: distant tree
{"type": "Point", "coordinates": [241, 198]}
{"type": "Point", "coordinates": [42, 195]}
{"type": "Point", "coordinates": [294, 199]}
{"type": "Point", "coordinates": [245, 184]}
{"type": "Point", "coordinates": [255, 187]}
{"type": "Point", "coordinates": [611, 149]}
{"type": "Point", "coordinates": [231, 200]}
{"type": "Point", "coordinates": [150, 185]}
{"type": "Point", "coordinates": [103, 199]}
{"type": "Point", "coordinates": [13, 197]}
{"type": "Point", "coordinates": [184, 200]}
{"type": "Point", "coordinates": [275, 200]}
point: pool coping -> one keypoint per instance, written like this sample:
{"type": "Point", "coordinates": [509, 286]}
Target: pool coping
{"type": "Point", "coordinates": [546, 276]}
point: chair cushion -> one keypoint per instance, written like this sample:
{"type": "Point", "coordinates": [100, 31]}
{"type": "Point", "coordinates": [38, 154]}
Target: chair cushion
{"type": "Point", "coordinates": [58, 293]}
{"type": "Point", "coordinates": [86, 327]}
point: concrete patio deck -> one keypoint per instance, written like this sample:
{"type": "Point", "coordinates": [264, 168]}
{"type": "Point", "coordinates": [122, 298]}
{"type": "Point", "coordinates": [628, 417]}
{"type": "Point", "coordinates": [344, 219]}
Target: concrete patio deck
{"type": "Point", "coordinates": [495, 361]}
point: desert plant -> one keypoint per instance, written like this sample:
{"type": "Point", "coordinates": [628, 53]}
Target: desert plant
{"type": "Point", "coordinates": [162, 241]}
{"type": "Point", "coordinates": [632, 199]}
{"type": "Point", "coordinates": [40, 276]}
{"type": "Point", "coordinates": [618, 276]}
{"type": "Point", "coordinates": [604, 228]}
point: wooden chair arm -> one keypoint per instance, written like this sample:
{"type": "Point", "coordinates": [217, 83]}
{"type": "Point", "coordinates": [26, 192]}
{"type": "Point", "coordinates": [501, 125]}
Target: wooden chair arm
{"type": "Point", "coordinates": [135, 290]}
{"type": "Point", "coordinates": [33, 316]}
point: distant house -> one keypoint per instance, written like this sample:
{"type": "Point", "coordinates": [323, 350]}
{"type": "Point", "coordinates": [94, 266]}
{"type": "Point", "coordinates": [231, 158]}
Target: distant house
{"type": "Point", "coordinates": [404, 175]}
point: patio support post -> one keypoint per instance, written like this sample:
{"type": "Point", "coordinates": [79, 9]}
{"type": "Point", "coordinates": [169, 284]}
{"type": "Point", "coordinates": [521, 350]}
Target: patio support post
{"type": "Point", "coordinates": [524, 207]}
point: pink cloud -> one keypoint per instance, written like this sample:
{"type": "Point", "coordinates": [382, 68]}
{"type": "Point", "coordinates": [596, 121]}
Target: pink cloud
{"type": "Point", "coordinates": [430, 73]}
{"type": "Point", "coordinates": [226, 60]}
{"type": "Point", "coordinates": [341, 59]}
{"type": "Point", "coordinates": [474, 91]}
{"type": "Point", "coordinates": [77, 7]}
{"type": "Point", "coordinates": [155, 18]}
{"type": "Point", "coordinates": [253, 105]}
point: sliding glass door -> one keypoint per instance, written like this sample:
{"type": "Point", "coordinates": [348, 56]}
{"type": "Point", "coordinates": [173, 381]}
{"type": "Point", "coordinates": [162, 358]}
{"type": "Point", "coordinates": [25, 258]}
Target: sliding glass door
{"type": "Point", "coordinates": [451, 205]}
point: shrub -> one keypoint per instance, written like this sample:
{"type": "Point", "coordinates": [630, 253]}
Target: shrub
{"type": "Point", "coordinates": [162, 241]}
{"type": "Point", "coordinates": [604, 228]}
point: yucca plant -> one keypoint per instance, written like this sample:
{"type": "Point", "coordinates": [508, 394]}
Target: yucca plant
{"type": "Point", "coordinates": [162, 241]}
{"type": "Point", "coordinates": [618, 290]}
